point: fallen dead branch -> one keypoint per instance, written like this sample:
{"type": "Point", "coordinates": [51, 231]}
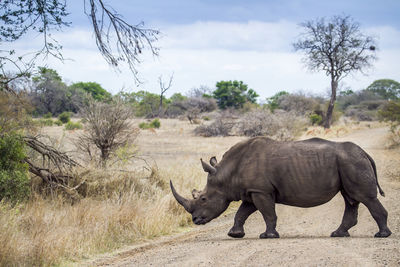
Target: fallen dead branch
{"type": "Point", "coordinates": [56, 169]}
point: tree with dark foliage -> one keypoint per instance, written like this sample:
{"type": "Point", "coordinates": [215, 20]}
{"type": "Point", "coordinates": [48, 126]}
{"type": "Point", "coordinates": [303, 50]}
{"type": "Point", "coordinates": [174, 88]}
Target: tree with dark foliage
{"type": "Point", "coordinates": [337, 47]}
{"type": "Point", "coordinates": [233, 94]}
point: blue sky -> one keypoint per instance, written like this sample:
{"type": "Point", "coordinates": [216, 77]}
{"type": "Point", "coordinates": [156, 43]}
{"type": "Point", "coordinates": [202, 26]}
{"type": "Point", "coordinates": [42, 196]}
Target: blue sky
{"type": "Point", "coordinates": [205, 41]}
{"type": "Point", "coordinates": [368, 12]}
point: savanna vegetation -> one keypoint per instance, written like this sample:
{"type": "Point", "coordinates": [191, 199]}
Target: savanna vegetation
{"type": "Point", "coordinates": [100, 173]}
{"type": "Point", "coordinates": [80, 167]}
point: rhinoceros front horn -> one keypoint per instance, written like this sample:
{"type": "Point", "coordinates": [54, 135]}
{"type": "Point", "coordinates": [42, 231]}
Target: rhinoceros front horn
{"type": "Point", "coordinates": [186, 203]}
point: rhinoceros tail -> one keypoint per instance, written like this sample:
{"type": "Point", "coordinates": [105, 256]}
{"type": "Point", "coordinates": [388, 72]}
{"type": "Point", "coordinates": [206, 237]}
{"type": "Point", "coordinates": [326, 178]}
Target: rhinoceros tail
{"type": "Point", "coordinates": [376, 176]}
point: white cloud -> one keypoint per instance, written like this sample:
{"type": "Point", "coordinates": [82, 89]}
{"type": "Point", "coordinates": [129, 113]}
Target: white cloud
{"type": "Point", "coordinates": [250, 36]}
{"type": "Point", "coordinates": [203, 53]}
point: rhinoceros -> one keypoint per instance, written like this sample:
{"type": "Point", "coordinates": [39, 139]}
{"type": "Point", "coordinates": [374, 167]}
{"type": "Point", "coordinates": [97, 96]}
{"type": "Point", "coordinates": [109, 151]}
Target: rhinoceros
{"type": "Point", "coordinates": [262, 172]}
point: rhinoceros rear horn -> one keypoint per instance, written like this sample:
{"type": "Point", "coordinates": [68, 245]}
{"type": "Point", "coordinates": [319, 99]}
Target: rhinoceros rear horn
{"type": "Point", "coordinates": [186, 203]}
{"type": "Point", "coordinates": [208, 168]}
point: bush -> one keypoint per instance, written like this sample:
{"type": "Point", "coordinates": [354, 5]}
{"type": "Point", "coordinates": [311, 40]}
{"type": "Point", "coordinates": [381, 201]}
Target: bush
{"type": "Point", "coordinates": [73, 125]}
{"type": "Point", "coordinates": [360, 114]}
{"type": "Point", "coordinates": [345, 101]}
{"type": "Point", "coordinates": [48, 115]}
{"type": "Point", "coordinates": [144, 125]}
{"type": "Point", "coordinates": [298, 103]}
{"type": "Point", "coordinates": [192, 106]}
{"type": "Point", "coordinates": [391, 113]}
{"type": "Point", "coordinates": [282, 126]}
{"type": "Point", "coordinates": [46, 122]}
{"type": "Point", "coordinates": [14, 179]}
{"type": "Point", "coordinates": [365, 110]}
{"type": "Point", "coordinates": [58, 123]}
{"type": "Point", "coordinates": [153, 124]}
{"type": "Point", "coordinates": [64, 117]}
{"type": "Point", "coordinates": [107, 127]}
{"type": "Point", "coordinates": [219, 127]}
{"type": "Point", "coordinates": [315, 119]}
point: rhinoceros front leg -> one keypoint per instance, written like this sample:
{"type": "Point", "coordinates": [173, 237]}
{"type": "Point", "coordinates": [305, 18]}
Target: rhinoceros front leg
{"type": "Point", "coordinates": [265, 203]}
{"type": "Point", "coordinates": [244, 211]}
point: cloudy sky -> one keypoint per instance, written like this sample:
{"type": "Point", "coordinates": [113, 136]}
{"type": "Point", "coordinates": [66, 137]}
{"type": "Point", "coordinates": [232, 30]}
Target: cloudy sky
{"type": "Point", "coordinates": [205, 41]}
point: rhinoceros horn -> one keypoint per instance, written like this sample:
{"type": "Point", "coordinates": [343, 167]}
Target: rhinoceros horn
{"type": "Point", "coordinates": [186, 203]}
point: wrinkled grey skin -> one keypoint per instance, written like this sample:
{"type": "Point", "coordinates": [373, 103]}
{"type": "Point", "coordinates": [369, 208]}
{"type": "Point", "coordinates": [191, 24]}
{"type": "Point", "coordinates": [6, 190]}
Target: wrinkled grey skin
{"type": "Point", "coordinates": [261, 172]}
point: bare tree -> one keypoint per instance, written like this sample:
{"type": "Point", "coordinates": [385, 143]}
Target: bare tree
{"type": "Point", "coordinates": [163, 89]}
{"type": "Point", "coordinates": [337, 47]}
{"type": "Point", "coordinates": [107, 128]}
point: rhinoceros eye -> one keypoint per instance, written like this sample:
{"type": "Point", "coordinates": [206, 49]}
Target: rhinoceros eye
{"type": "Point", "coordinates": [203, 199]}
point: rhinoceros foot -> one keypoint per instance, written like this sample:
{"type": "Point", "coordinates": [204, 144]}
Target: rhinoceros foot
{"type": "Point", "coordinates": [236, 233]}
{"type": "Point", "coordinates": [383, 233]}
{"type": "Point", "coordinates": [339, 233]}
{"type": "Point", "coordinates": [270, 234]}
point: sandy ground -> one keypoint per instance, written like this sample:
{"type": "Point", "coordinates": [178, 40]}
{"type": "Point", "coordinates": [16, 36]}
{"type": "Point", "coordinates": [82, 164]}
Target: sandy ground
{"type": "Point", "coordinates": [304, 233]}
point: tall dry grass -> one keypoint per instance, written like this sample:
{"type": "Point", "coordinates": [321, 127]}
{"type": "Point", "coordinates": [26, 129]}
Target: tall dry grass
{"type": "Point", "coordinates": [119, 208]}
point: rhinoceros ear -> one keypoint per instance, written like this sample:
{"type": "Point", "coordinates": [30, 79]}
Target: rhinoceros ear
{"type": "Point", "coordinates": [213, 161]}
{"type": "Point", "coordinates": [196, 193]}
{"type": "Point", "coordinates": [208, 168]}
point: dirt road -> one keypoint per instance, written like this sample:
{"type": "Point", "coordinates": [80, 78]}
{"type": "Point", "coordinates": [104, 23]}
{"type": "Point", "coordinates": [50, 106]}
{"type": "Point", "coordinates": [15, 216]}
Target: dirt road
{"type": "Point", "coordinates": [304, 233]}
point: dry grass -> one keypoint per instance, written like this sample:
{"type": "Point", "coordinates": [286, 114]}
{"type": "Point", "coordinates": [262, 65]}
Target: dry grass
{"type": "Point", "coordinates": [119, 207]}
{"type": "Point", "coordinates": [341, 128]}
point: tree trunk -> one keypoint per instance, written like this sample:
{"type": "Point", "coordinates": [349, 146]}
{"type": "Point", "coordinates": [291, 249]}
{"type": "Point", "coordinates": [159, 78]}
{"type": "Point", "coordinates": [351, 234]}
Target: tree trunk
{"type": "Point", "coordinates": [329, 112]}
{"type": "Point", "coordinates": [105, 154]}
{"type": "Point", "coordinates": [160, 107]}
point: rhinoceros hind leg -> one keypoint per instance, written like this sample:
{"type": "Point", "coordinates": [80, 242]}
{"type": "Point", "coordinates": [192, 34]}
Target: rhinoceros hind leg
{"type": "Point", "coordinates": [383, 233]}
{"type": "Point", "coordinates": [379, 213]}
{"type": "Point", "coordinates": [349, 217]}
{"type": "Point", "coordinates": [244, 211]}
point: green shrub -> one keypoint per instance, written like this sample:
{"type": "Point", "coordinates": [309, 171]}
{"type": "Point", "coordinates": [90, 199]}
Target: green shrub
{"type": "Point", "coordinates": [206, 118]}
{"type": "Point", "coordinates": [73, 125]}
{"type": "Point", "coordinates": [58, 123]}
{"type": "Point", "coordinates": [315, 119]}
{"type": "Point", "coordinates": [14, 179]}
{"type": "Point", "coordinates": [144, 125]}
{"type": "Point", "coordinates": [46, 122]}
{"type": "Point", "coordinates": [391, 113]}
{"type": "Point", "coordinates": [153, 124]}
{"type": "Point", "coordinates": [48, 115]}
{"type": "Point", "coordinates": [64, 117]}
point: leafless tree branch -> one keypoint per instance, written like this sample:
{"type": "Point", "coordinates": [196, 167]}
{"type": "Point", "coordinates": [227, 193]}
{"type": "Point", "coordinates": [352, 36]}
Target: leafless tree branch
{"type": "Point", "coordinates": [129, 42]}
{"type": "Point", "coordinates": [163, 88]}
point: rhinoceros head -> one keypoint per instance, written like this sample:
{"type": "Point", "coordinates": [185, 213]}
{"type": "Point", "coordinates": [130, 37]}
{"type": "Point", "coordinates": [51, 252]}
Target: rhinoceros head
{"type": "Point", "coordinates": [208, 203]}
